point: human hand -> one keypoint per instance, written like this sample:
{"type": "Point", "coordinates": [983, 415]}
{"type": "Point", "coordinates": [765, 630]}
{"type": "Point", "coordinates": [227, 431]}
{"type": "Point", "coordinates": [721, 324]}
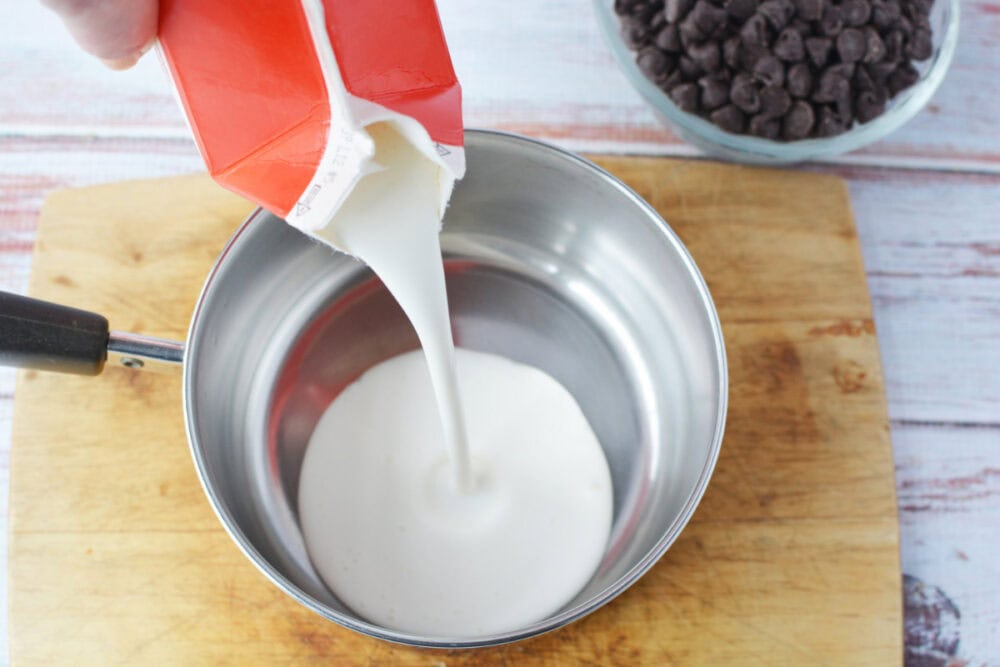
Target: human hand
{"type": "Point", "coordinates": [116, 31]}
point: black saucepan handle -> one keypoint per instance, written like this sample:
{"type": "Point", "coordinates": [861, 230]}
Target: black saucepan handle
{"type": "Point", "coordinates": [49, 337]}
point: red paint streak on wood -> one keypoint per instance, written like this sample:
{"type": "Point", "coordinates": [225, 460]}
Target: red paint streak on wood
{"type": "Point", "coordinates": [964, 273]}
{"type": "Point", "coordinates": [980, 273]}
{"type": "Point", "coordinates": [949, 496]}
{"type": "Point", "coordinates": [908, 176]}
{"type": "Point", "coordinates": [99, 145]}
{"type": "Point", "coordinates": [987, 249]}
{"type": "Point", "coordinates": [985, 476]}
{"type": "Point", "coordinates": [942, 506]}
{"type": "Point", "coordinates": [16, 246]}
{"type": "Point", "coordinates": [19, 222]}
{"type": "Point", "coordinates": [13, 187]}
{"type": "Point", "coordinates": [955, 495]}
{"type": "Point", "coordinates": [925, 153]}
{"type": "Point", "coordinates": [988, 8]}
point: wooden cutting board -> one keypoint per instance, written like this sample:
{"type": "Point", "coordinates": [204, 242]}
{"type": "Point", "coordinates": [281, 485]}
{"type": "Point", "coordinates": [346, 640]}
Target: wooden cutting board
{"type": "Point", "coordinates": [791, 559]}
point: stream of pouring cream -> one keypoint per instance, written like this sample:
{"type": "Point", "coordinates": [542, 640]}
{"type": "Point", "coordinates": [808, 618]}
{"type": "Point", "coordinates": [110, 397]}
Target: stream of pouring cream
{"type": "Point", "coordinates": [405, 252]}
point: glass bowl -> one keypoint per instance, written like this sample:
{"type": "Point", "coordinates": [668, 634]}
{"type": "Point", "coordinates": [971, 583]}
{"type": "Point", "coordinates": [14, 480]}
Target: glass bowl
{"type": "Point", "coordinates": [755, 150]}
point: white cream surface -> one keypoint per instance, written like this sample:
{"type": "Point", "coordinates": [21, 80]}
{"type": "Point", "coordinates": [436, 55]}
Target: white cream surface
{"type": "Point", "coordinates": [433, 510]}
{"type": "Point", "coordinates": [396, 541]}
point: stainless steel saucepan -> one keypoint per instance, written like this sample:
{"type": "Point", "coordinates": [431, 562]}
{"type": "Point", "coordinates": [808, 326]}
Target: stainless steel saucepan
{"type": "Point", "coordinates": [550, 261]}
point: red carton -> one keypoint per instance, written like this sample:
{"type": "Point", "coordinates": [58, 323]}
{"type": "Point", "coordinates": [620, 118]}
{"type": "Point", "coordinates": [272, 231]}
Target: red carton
{"type": "Point", "coordinates": [278, 92]}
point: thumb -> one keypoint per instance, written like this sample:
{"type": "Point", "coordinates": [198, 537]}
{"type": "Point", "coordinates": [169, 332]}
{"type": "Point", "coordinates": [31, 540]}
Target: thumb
{"type": "Point", "coordinates": [116, 31]}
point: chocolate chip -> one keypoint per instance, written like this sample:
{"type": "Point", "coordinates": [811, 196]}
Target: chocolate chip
{"type": "Point", "coordinates": [851, 45]}
{"type": "Point", "coordinates": [675, 79]}
{"type": "Point", "coordinates": [707, 16]}
{"type": "Point", "coordinates": [740, 10]}
{"type": "Point", "coordinates": [731, 52]}
{"type": "Point", "coordinates": [818, 49]}
{"type": "Point", "coordinates": [657, 22]}
{"type": "Point", "coordinates": [675, 10]}
{"type": "Point", "coordinates": [874, 46]}
{"type": "Point", "coordinates": [634, 33]}
{"type": "Point", "coordinates": [764, 127]}
{"type": "Point", "coordinates": [894, 46]}
{"type": "Point", "coordinates": [625, 7]}
{"type": "Point", "coordinates": [754, 33]}
{"type": "Point", "coordinates": [743, 93]}
{"type": "Point", "coordinates": [829, 124]}
{"type": "Point", "coordinates": [845, 70]}
{"type": "Point", "coordinates": [668, 39]}
{"type": "Point", "coordinates": [868, 105]}
{"type": "Point", "coordinates": [809, 10]}
{"type": "Point", "coordinates": [885, 13]}
{"type": "Point", "coordinates": [832, 22]}
{"type": "Point", "coordinates": [920, 46]}
{"type": "Point", "coordinates": [920, 21]}
{"type": "Point", "coordinates": [770, 71]}
{"type": "Point", "coordinates": [646, 11]}
{"type": "Point", "coordinates": [750, 56]}
{"type": "Point", "coordinates": [689, 68]}
{"type": "Point", "coordinates": [880, 71]}
{"type": "Point", "coordinates": [863, 81]}
{"type": "Point", "coordinates": [714, 92]}
{"type": "Point", "coordinates": [831, 87]}
{"type": "Point", "coordinates": [804, 28]}
{"type": "Point", "coordinates": [789, 46]}
{"type": "Point", "coordinates": [800, 80]}
{"type": "Point", "coordinates": [685, 96]}
{"type": "Point", "coordinates": [722, 32]}
{"type": "Point", "coordinates": [655, 64]}
{"type": "Point", "coordinates": [845, 108]}
{"type": "Point", "coordinates": [729, 118]}
{"type": "Point", "coordinates": [918, 13]}
{"type": "Point", "coordinates": [690, 33]}
{"type": "Point", "coordinates": [798, 122]}
{"type": "Point", "coordinates": [856, 12]}
{"type": "Point", "coordinates": [777, 12]}
{"type": "Point", "coordinates": [903, 77]}
{"type": "Point", "coordinates": [706, 56]}
{"type": "Point", "coordinates": [774, 101]}
{"type": "Point", "coordinates": [904, 25]}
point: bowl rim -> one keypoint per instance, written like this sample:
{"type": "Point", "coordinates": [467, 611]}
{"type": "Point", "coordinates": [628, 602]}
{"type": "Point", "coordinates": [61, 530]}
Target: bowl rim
{"type": "Point", "coordinates": [562, 618]}
{"type": "Point", "coordinates": [903, 107]}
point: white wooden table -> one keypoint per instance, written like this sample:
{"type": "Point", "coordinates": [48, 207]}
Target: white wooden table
{"type": "Point", "coordinates": [926, 200]}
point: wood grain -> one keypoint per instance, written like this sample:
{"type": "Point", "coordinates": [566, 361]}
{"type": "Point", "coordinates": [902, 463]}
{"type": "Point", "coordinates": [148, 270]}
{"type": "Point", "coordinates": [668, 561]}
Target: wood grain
{"type": "Point", "coordinates": [792, 558]}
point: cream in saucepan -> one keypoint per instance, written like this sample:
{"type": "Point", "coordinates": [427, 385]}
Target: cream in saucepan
{"type": "Point", "coordinates": [442, 498]}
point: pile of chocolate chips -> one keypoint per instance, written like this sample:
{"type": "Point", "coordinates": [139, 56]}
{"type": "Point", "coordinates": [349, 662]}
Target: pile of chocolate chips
{"type": "Point", "coordinates": [779, 69]}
